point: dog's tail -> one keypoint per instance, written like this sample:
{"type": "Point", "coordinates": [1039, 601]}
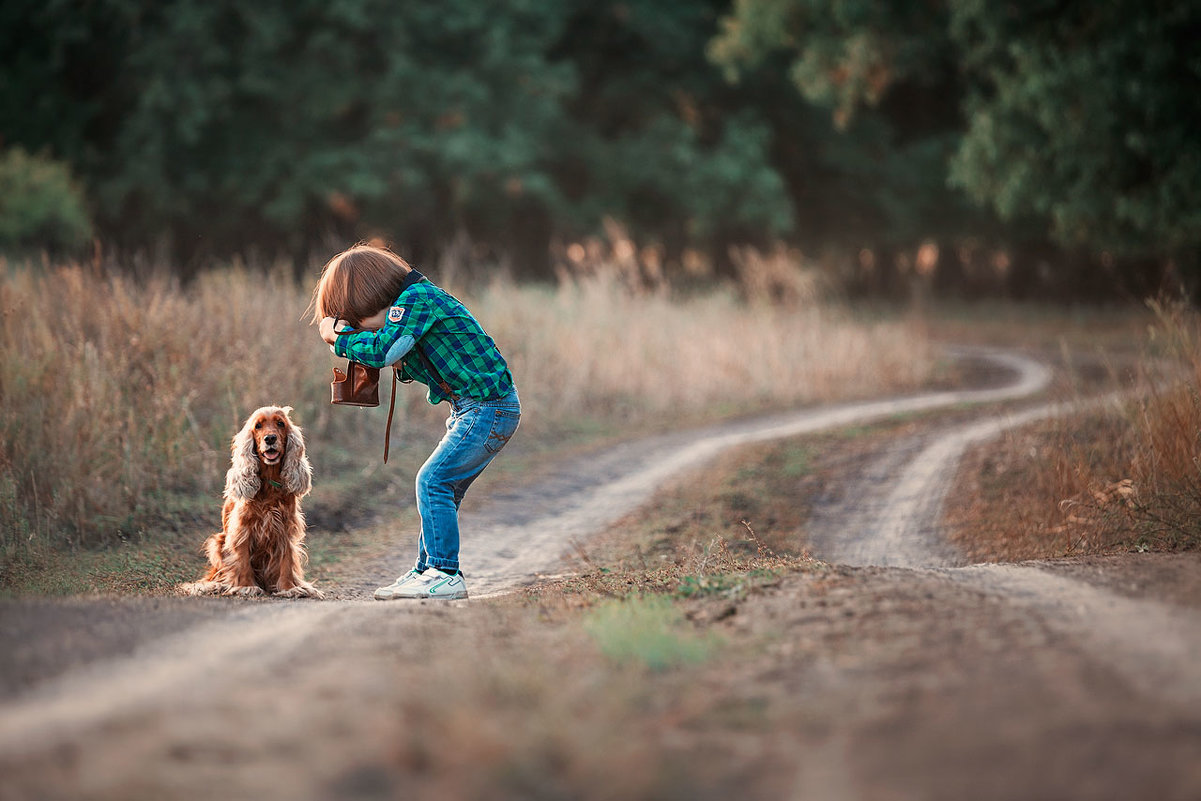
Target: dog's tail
{"type": "Point", "coordinates": [212, 549]}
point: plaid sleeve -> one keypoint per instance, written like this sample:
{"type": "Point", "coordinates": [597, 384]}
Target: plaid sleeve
{"type": "Point", "coordinates": [406, 321]}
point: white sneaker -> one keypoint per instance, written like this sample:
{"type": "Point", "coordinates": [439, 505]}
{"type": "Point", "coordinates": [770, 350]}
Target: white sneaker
{"type": "Point", "coordinates": [433, 583]}
{"type": "Point", "coordinates": [388, 593]}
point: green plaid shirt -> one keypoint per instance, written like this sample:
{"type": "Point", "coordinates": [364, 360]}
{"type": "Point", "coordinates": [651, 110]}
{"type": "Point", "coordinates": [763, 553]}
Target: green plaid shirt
{"type": "Point", "coordinates": [432, 319]}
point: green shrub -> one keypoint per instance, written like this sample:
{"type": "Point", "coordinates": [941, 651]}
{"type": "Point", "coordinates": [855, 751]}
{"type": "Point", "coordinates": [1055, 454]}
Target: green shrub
{"type": "Point", "coordinates": [41, 207]}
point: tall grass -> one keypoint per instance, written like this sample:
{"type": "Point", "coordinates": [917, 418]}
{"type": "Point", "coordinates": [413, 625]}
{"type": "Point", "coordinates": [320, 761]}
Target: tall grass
{"type": "Point", "coordinates": [1161, 488]}
{"type": "Point", "coordinates": [118, 397]}
{"type": "Point", "coordinates": [592, 347]}
{"type": "Point", "coordinates": [117, 392]}
{"type": "Point", "coordinates": [1123, 478]}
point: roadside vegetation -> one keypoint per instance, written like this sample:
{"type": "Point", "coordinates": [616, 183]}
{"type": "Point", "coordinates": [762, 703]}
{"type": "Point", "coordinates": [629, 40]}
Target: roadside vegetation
{"type": "Point", "coordinates": [120, 395]}
{"type": "Point", "coordinates": [1125, 477]}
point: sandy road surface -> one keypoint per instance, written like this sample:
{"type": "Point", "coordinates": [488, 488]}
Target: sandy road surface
{"type": "Point", "coordinates": [537, 524]}
{"type": "Point", "coordinates": [98, 696]}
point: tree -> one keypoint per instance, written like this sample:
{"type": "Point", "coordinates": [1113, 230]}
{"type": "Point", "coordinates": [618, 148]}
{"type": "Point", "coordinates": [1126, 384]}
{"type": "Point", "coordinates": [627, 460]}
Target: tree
{"type": "Point", "coordinates": [220, 126]}
{"type": "Point", "coordinates": [41, 206]}
{"type": "Point", "coordinates": [666, 144]}
{"type": "Point", "coordinates": [1069, 120]}
{"type": "Point", "coordinates": [884, 117]}
{"type": "Point", "coordinates": [1086, 114]}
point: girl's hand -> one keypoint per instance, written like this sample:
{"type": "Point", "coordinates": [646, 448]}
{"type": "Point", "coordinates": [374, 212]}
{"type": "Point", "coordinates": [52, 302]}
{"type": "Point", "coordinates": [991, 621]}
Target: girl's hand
{"type": "Point", "coordinates": [326, 329]}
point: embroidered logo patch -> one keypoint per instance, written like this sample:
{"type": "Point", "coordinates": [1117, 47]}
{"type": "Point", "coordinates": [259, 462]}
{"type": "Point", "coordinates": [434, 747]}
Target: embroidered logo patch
{"type": "Point", "coordinates": [395, 314]}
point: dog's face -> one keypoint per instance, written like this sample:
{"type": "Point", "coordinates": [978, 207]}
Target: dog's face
{"type": "Point", "coordinates": [268, 440]}
{"type": "Point", "coordinates": [269, 430]}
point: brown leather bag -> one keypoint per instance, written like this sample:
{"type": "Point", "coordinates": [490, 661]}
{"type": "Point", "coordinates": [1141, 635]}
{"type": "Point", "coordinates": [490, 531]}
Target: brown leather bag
{"type": "Point", "coordinates": [357, 385]}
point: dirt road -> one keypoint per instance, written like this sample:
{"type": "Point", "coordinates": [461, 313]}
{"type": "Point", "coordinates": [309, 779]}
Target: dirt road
{"type": "Point", "coordinates": [899, 674]}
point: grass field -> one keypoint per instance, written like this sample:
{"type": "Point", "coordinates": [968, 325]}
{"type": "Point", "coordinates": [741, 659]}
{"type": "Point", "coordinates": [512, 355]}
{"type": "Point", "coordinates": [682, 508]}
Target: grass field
{"type": "Point", "coordinates": [120, 396]}
{"type": "Point", "coordinates": [1102, 480]}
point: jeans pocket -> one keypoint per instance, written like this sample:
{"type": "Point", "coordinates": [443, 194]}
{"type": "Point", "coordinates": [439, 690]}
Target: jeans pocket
{"type": "Point", "coordinates": [504, 425]}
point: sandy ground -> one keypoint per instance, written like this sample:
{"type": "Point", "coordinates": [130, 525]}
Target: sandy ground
{"type": "Point", "coordinates": [899, 673]}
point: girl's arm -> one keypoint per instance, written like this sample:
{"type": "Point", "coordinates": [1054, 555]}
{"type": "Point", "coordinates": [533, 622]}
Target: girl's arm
{"type": "Point", "coordinates": [329, 327]}
{"type": "Point", "coordinates": [389, 334]}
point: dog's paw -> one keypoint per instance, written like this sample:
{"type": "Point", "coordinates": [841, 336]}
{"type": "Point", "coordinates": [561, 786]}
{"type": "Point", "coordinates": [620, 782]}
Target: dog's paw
{"type": "Point", "coordinates": [200, 588]}
{"type": "Point", "coordinates": [302, 590]}
{"type": "Point", "coordinates": [250, 591]}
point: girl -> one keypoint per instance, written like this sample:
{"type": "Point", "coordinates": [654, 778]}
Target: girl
{"type": "Point", "coordinates": [430, 337]}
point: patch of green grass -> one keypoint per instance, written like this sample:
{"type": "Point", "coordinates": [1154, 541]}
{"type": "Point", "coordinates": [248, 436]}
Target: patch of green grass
{"type": "Point", "coordinates": [152, 569]}
{"type": "Point", "coordinates": [790, 459]}
{"type": "Point", "coordinates": [648, 631]}
{"type": "Point", "coordinates": [736, 585]}
{"type": "Point", "coordinates": [147, 566]}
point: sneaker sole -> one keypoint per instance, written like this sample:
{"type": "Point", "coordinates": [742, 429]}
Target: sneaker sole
{"type": "Point", "coordinates": [389, 593]}
{"type": "Point", "coordinates": [457, 596]}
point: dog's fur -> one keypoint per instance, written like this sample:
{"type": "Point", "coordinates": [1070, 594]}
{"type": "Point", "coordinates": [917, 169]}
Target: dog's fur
{"type": "Point", "coordinates": [260, 547]}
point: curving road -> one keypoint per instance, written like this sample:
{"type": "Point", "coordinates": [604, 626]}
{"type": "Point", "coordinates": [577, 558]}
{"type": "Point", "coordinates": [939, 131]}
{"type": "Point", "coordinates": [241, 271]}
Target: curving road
{"type": "Point", "coordinates": [527, 531]}
{"type": "Point", "coordinates": [96, 672]}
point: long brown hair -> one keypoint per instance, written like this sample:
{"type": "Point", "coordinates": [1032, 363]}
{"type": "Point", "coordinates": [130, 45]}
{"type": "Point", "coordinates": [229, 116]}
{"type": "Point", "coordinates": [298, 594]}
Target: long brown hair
{"type": "Point", "coordinates": [357, 283]}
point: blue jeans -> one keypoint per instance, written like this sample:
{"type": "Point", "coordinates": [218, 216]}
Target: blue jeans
{"type": "Point", "coordinates": [475, 432]}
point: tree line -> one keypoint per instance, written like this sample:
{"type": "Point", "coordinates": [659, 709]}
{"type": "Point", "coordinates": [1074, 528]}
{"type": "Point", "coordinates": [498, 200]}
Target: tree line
{"type": "Point", "coordinates": [1061, 134]}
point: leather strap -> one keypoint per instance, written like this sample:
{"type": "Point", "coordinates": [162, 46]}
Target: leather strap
{"type": "Point", "coordinates": [391, 408]}
{"type": "Point", "coordinates": [433, 371]}
{"type": "Point", "coordinates": [412, 278]}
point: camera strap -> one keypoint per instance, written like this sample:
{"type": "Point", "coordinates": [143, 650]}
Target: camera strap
{"type": "Point", "coordinates": [431, 371]}
{"type": "Point", "coordinates": [412, 278]}
{"type": "Point", "coordinates": [388, 425]}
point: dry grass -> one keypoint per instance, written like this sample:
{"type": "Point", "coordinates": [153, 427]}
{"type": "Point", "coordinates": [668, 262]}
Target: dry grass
{"type": "Point", "coordinates": [594, 348]}
{"type": "Point", "coordinates": [120, 395]}
{"type": "Point", "coordinates": [1097, 481]}
{"type": "Point", "coordinates": [1021, 497]}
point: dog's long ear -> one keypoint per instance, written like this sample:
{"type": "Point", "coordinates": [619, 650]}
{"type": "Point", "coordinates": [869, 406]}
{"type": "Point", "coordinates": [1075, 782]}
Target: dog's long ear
{"type": "Point", "coordinates": [242, 480]}
{"type": "Point", "coordinates": [297, 473]}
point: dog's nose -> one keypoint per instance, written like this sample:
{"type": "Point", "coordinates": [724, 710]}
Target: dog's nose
{"type": "Point", "coordinates": [270, 439]}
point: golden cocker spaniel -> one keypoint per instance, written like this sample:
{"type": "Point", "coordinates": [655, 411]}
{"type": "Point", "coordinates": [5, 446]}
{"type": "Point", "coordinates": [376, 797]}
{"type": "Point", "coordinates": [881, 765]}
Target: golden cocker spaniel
{"type": "Point", "coordinates": [260, 547]}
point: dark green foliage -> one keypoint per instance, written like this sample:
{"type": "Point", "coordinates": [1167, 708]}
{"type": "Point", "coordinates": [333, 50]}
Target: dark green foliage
{"type": "Point", "coordinates": [883, 118]}
{"type": "Point", "coordinates": [292, 127]}
{"type": "Point", "coordinates": [1086, 114]}
{"type": "Point", "coordinates": [281, 125]}
{"type": "Point", "coordinates": [40, 206]}
{"type": "Point", "coordinates": [1071, 119]}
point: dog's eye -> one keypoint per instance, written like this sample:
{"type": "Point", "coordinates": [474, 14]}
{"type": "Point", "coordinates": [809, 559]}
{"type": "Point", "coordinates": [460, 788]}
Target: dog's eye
{"type": "Point", "coordinates": [258, 425]}
{"type": "Point", "coordinates": [279, 423]}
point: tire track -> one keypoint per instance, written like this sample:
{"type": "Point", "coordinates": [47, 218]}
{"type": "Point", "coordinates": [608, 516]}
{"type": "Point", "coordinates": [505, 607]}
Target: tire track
{"type": "Point", "coordinates": [903, 529]}
{"type": "Point", "coordinates": [516, 539]}
{"type": "Point", "coordinates": [173, 670]}
{"type": "Point", "coordinates": [1155, 647]}
{"type": "Point", "coordinates": [508, 541]}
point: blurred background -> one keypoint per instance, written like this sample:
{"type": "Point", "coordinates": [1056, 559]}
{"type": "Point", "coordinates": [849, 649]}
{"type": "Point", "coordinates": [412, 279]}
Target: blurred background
{"type": "Point", "coordinates": [1037, 149]}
